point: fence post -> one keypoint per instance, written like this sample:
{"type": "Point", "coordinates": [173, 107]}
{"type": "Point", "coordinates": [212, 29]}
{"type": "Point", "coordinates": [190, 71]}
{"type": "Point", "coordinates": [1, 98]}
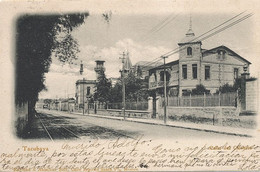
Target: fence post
{"type": "Point", "coordinates": [219, 99]}
{"type": "Point", "coordinates": [204, 99]}
{"type": "Point", "coordinates": [190, 99]}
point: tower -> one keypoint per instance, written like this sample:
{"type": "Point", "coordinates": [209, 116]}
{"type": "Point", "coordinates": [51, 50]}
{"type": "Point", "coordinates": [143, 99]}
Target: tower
{"type": "Point", "coordinates": [99, 67]}
{"type": "Point", "coordinates": [189, 61]}
{"type": "Point", "coordinates": [127, 63]}
{"type": "Point", "coordinates": [189, 46]}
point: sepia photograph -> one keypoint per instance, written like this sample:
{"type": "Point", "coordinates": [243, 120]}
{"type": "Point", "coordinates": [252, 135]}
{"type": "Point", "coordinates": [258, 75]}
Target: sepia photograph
{"type": "Point", "coordinates": [99, 86]}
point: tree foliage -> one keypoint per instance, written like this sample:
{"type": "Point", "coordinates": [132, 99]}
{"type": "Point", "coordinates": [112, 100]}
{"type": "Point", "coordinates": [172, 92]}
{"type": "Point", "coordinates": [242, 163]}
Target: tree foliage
{"type": "Point", "coordinates": [226, 88]}
{"type": "Point", "coordinates": [136, 89]}
{"type": "Point", "coordinates": [38, 36]}
{"type": "Point", "coordinates": [116, 93]}
{"type": "Point", "coordinates": [199, 90]}
{"type": "Point", "coordinates": [103, 87]}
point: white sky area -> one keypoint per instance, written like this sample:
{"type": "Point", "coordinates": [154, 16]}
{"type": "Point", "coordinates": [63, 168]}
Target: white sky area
{"type": "Point", "coordinates": [100, 40]}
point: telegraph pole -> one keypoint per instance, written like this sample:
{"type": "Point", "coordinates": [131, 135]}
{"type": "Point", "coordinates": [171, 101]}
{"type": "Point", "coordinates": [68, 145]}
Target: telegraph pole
{"type": "Point", "coordinates": [164, 84]}
{"type": "Point", "coordinates": [123, 83]}
{"type": "Point", "coordinates": [83, 96]}
{"type": "Point", "coordinates": [81, 72]}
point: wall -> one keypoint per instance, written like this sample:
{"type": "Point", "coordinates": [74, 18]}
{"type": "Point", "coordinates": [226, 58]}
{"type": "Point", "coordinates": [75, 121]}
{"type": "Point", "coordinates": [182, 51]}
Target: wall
{"type": "Point", "coordinates": [221, 72]}
{"type": "Point", "coordinates": [251, 95]}
{"type": "Point", "coordinates": [184, 59]}
{"type": "Point", "coordinates": [21, 114]}
{"type": "Point", "coordinates": [174, 78]}
{"type": "Point", "coordinates": [118, 113]}
{"type": "Point", "coordinates": [79, 89]}
{"type": "Point", "coordinates": [221, 116]}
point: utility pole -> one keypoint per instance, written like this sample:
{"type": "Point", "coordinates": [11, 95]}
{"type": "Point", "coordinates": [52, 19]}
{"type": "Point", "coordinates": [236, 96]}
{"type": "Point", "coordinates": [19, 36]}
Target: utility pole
{"type": "Point", "coordinates": [123, 83]}
{"type": "Point", "coordinates": [83, 96]}
{"type": "Point", "coordinates": [81, 72]}
{"type": "Point", "coordinates": [164, 84]}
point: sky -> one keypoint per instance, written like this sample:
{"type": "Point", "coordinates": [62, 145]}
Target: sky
{"type": "Point", "coordinates": [138, 34]}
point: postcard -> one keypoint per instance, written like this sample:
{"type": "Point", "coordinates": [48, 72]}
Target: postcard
{"type": "Point", "coordinates": [158, 85]}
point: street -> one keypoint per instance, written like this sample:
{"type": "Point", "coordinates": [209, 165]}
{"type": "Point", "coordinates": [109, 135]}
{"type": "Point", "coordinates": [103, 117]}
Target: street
{"type": "Point", "coordinates": [56, 125]}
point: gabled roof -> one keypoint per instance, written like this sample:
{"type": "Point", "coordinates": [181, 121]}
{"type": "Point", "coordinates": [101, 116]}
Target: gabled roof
{"type": "Point", "coordinates": [213, 50]}
{"type": "Point", "coordinates": [167, 65]}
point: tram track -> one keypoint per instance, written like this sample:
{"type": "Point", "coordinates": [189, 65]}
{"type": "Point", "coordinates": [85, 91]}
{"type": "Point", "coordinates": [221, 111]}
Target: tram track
{"type": "Point", "coordinates": [68, 130]}
{"type": "Point", "coordinates": [54, 130]}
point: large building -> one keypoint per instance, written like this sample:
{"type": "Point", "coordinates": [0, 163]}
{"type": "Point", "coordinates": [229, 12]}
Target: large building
{"type": "Point", "coordinates": [85, 88]}
{"type": "Point", "coordinates": [211, 68]}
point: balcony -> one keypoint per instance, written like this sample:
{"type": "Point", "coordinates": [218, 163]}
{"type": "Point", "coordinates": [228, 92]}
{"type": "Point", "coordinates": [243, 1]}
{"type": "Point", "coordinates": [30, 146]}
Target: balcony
{"type": "Point", "coordinates": [157, 84]}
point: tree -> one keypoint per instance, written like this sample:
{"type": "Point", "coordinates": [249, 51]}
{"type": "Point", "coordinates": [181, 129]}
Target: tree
{"type": "Point", "coordinates": [199, 90]}
{"type": "Point", "coordinates": [139, 72]}
{"type": "Point", "coordinates": [136, 89]}
{"type": "Point", "coordinates": [226, 88]}
{"type": "Point", "coordinates": [116, 93]}
{"type": "Point", "coordinates": [38, 36]}
{"type": "Point", "coordinates": [103, 87]}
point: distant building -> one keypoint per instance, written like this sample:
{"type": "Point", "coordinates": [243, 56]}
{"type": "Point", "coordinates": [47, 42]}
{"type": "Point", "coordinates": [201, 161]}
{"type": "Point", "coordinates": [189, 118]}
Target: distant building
{"type": "Point", "coordinates": [211, 68]}
{"type": "Point", "coordinates": [85, 88]}
{"type": "Point", "coordinates": [142, 68]}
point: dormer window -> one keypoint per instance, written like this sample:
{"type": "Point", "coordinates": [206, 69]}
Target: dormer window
{"type": "Point", "coordinates": [189, 51]}
{"type": "Point", "coordinates": [221, 54]}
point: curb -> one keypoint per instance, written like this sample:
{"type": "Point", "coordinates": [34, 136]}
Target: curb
{"type": "Point", "coordinates": [175, 126]}
{"type": "Point", "coordinates": [168, 125]}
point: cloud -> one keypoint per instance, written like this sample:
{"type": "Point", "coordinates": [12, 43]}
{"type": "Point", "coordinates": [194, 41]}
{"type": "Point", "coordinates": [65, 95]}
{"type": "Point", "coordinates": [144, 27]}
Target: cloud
{"type": "Point", "coordinates": [110, 55]}
{"type": "Point", "coordinates": [62, 76]}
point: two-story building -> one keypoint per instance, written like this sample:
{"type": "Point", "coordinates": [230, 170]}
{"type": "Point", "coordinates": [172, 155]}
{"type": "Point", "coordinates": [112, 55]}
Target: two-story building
{"type": "Point", "coordinates": [85, 88]}
{"type": "Point", "coordinates": [211, 68]}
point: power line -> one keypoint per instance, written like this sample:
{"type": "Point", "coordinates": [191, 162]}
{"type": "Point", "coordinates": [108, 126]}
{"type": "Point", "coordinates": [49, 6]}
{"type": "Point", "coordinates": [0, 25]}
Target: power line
{"type": "Point", "coordinates": [161, 27]}
{"type": "Point", "coordinates": [220, 30]}
{"type": "Point", "coordinates": [206, 37]}
{"type": "Point", "coordinates": [207, 31]}
{"type": "Point", "coordinates": [157, 26]}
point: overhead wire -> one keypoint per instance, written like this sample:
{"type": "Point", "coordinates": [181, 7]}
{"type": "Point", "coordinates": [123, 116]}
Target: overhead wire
{"type": "Point", "coordinates": [206, 37]}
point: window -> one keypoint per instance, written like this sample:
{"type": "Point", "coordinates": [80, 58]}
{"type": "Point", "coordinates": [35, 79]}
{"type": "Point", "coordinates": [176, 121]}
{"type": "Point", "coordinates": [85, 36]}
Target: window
{"type": "Point", "coordinates": [221, 54]}
{"type": "Point", "coordinates": [235, 73]}
{"type": "Point", "coordinates": [189, 51]}
{"type": "Point", "coordinates": [194, 71]}
{"type": "Point", "coordinates": [207, 72]}
{"type": "Point", "coordinates": [88, 91]}
{"type": "Point", "coordinates": [184, 71]}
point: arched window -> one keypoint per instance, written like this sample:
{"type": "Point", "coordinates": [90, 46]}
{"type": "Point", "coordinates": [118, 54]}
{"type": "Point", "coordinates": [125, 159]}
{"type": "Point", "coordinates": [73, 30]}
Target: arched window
{"type": "Point", "coordinates": [189, 51]}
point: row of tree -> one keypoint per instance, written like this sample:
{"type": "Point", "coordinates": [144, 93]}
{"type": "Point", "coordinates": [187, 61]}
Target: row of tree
{"type": "Point", "coordinates": [136, 89]}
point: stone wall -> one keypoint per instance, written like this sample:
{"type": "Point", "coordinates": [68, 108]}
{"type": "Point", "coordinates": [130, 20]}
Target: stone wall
{"type": "Point", "coordinates": [118, 113]}
{"type": "Point", "coordinates": [221, 116]}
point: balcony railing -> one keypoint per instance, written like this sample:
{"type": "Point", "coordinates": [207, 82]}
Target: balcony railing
{"type": "Point", "coordinates": [157, 84]}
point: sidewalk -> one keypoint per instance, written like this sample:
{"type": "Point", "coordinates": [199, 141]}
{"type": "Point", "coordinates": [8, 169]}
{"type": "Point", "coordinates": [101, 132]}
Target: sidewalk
{"type": "Point", "coordinates": [243, 132]}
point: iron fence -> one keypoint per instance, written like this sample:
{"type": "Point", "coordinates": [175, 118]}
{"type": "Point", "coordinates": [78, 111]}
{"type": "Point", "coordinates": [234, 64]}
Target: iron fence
{"type": "Point", "coordinates": [129, 106]}
{"type": "Point", "coordinates": [226, 99]}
